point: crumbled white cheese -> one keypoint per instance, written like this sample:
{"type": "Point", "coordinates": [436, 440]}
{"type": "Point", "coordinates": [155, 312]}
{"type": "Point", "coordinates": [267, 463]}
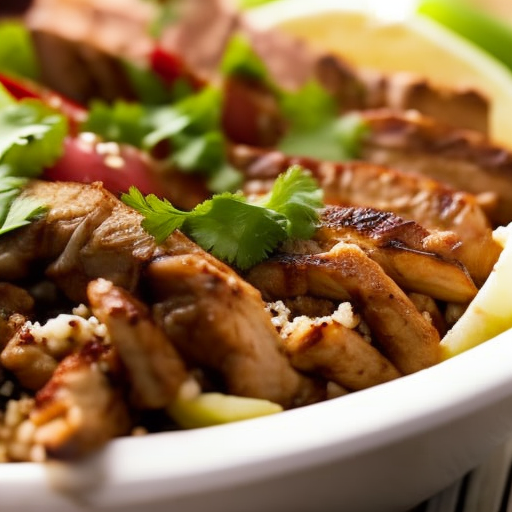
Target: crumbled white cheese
{"type": "Point", "coordinates": [343, 315]}
{"type": "Point", "coordinates": [59, 332]}
{"type": "Point", "coordinates": [280, 313]}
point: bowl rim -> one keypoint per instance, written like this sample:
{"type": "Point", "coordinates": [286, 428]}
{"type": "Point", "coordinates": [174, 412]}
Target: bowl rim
{"type": "Point", "coordinates": [329, 431]}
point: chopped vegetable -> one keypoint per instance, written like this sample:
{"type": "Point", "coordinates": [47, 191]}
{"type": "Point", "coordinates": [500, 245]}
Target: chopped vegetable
{"type": "Point", "coordinates": [489, 313]}
{"type": "Point", "coordinates": [233, 229]}
{"type": "Point", "coordinates": [486, 31]}
{"type": "Point", "coordinates": [121, 122]}
{"type": "Point", "coordinates": [210, 409]}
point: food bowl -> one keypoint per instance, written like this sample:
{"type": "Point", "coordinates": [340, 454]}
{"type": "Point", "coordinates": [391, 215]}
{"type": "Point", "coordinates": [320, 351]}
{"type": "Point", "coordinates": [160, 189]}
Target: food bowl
{"type": "Point", "coordinates": [387, 448]}
{"type": "Point", "coordinates": [383, 449]}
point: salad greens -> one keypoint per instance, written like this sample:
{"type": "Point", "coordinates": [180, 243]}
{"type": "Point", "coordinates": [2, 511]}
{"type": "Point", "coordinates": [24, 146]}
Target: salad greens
{"type": "Point", "coordinates": [190, 126]}
{"type": "Point", "coordinates": [234, 229]}
{"type": "Point", "coordinates": [31, 138]}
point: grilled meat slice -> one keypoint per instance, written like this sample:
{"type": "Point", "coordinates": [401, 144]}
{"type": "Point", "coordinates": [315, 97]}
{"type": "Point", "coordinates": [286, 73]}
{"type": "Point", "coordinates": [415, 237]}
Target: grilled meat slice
{"type": "Point", "coordinates": [337, 353]}
{"type": "Point", "coordinates": [345, 273]}
{"type": "Point", "coordinates": [155, 370]}
{"type": "Point", "coordinates": [463, 159]}
{"type": "Point", "coordinates": [218, 321]}
{"type": "Point", "coordinates": [82, 406]}
{"type": "Point", "coordinates": [427, 306]}
{"type": "Point", "coordinates": [403, 249]}
{"type": "Point", "coordinates": [79, 45]}
{"type": "Point", "coordinates": [87, 233]}
{"type": "Point", "coordinates": [201, 34]}
{"type": "Point", "coordinates": [15, 302]}
{"type": "Point", "coordinates": [409, 195]}
{"type": "Point", "coordinates": [461, 107]}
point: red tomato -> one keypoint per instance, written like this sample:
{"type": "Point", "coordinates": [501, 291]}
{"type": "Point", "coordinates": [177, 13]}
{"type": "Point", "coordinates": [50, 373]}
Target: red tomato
{"type": "Point", "coordinates": [87, 159]}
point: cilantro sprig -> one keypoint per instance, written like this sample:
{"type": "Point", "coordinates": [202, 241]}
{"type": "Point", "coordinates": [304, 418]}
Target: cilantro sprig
{"type": "Point", "coordinates": [190, 126]}
{"type": "Point", "coordinates": [232, 228]}
{"type": "Point", "coordinates": [31, 138]}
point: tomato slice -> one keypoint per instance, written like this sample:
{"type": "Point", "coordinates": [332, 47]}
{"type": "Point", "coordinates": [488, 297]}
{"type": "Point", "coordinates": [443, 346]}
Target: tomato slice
{"type": "Point", "coordinates": [22, 88]}
{"type": "Point", "coordinates": [87, 159]}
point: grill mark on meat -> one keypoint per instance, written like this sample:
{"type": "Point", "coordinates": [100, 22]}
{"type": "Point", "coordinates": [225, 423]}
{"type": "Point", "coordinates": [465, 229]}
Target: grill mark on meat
{"type": "Point", "coordinates": [407, 252]}
{"type": "Point", "coordinates": [346, 273]}
{"type": "Point", "coordinates": [430, 203]}
{"type": "Point", "coordinates": [463, 159]}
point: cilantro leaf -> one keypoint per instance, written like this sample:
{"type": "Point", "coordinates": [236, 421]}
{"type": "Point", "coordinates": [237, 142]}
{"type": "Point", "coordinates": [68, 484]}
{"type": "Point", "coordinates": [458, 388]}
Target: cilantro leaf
{"type": "Point", "coordinates": [236, 231]}
{"type": "Point", "coordinates": [231, 228]}
{"type": "Point", "coordinates": [21, 212]}
{"type": "Point", "coordinates": [315, 128]}
{"type": "Point", "coordinates": [15, 212]}
{"type": "Point", "coordinates": [160, 216]}
{"type": "Point", "coordinates": [31, 137]}
{"type": "Point", "coordinates": [296, 195]}
{"type": "Point", "coordinates": [17, 55]}
{"type": "Point", "coordinates": [120, 122]}
{"type": "Point", "coordinates": [240, 59]}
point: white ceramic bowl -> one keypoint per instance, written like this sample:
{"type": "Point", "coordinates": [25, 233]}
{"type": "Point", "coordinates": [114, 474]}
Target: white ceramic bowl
{"type": "Point", "coordinates": [383, 449]}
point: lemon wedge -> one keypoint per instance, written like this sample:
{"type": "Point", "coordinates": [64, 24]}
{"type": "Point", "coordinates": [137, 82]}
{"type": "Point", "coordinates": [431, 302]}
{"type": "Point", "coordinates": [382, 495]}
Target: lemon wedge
{"type": "Point", "coordinates": [367, 37]}
{"type": "Point", "coordinates": [490, 312]}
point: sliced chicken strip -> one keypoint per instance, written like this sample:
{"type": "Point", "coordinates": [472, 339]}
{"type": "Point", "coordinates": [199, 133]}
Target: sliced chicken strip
{"type": "Point", "coordinates": [402, 248]}
{"type": "Point", "coordinates": [345, 273]}
{"type": "Point", "coordinates": [463, 159]}
{"type": "Point", "coordinates": [219, 321]}
{"type": "Point", "coordinates": [413, 196]}
{"type": "Point", "coordinates": [337, 353]}
{"type": "Point", "coordinates": [87, 233]}
{"type": "Point", "coordinates": [156, 371]}
{"type": "Point", "coordinates": [82, 406]}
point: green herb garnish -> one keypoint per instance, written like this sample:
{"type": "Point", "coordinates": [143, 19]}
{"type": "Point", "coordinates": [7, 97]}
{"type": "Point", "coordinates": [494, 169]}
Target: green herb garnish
{"type": "Point", "coordinates": [31, 137]}
{"type": "Point", "coordinates": [17, 55]}
{"type": "Point", "coordinates": [233, 229]}
{"type": "Point", "coordinates": [191, 127]}
{"type": "Point", "coordinates": [16, 211]}
{"type": "Point", "coordinates": [241, 60]}
{"type": "Point", "coordinates": [315, 128]}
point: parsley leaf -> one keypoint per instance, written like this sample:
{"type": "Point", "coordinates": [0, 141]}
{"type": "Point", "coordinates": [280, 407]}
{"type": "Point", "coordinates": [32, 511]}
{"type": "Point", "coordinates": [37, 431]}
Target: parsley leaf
{"type": "Point", "coordinates": [297, 196]}
{"type": "Point", "coordinates": [233, 229]}
{"type": "Point", "coordinates": [31, 137]}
